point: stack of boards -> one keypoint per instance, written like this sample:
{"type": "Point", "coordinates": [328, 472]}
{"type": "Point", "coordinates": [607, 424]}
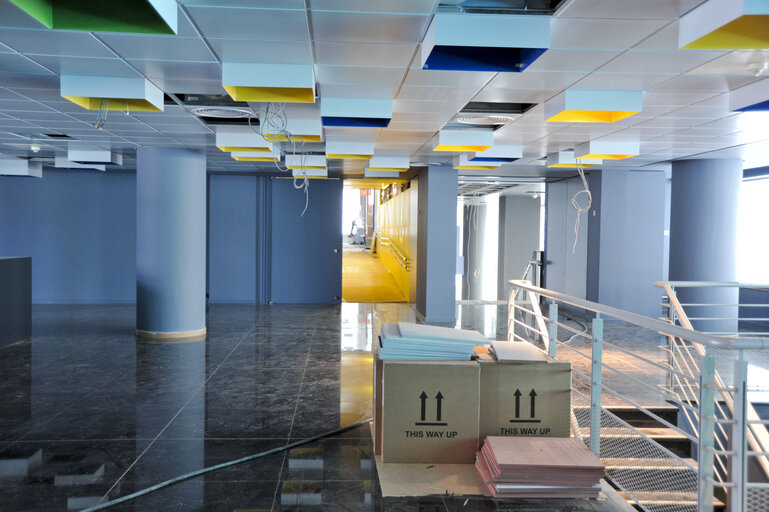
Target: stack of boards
{"type": "Point", "coordinates": [428, 343]}
{"type": "Point", "coordinates": [539, 467]}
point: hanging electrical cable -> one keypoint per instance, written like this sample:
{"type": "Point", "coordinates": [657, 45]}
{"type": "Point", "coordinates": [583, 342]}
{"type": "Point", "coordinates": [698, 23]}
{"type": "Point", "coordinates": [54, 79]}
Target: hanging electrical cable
{"type": "Point", "coordinates": [581, 210]}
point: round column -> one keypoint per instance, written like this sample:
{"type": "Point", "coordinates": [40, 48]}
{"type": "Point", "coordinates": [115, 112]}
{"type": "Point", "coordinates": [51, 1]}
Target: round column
{"type": "Point", "coordinates": [170, 244]}
{"type": "Point", "coordinates": [703, 236]}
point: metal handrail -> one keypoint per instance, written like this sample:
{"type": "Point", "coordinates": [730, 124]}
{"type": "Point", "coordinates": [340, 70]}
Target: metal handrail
{"type": "Point", "coordinates": [665, 328]}
{"type": "Point", "coordinates": [402, 259]}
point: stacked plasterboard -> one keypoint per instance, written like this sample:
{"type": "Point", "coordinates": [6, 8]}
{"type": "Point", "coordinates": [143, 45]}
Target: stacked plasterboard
{"type": "Point", "coordinates": [427, 343]}
{"type": "Point", "coordinates": [535, 467]}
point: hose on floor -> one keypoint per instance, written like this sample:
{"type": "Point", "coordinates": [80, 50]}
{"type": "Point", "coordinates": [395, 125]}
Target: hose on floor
{"type": "Point", "coordinates": [173, 481]}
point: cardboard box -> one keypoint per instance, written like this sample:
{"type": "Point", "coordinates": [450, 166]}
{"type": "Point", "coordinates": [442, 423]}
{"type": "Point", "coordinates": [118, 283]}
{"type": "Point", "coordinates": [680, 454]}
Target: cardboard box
{"type": "Point", "coordinates": [525, 399]}
{"type": "Point", "coordinates": [430, 411]}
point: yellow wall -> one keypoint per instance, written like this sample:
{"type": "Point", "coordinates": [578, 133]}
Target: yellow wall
{"type": "Point", "coordinates": [394, 221]}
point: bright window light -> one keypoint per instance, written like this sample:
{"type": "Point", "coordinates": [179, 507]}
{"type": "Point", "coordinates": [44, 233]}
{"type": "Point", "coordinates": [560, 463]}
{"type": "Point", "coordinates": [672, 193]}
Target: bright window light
{"type": "Point", "coordinates": [752, 242]}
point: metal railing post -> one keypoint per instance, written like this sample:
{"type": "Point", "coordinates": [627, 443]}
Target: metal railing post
{"type": "Point", "coordinates": [739, 445]}
{"type": "Point", "coordinates": [595, 386]}
{"type": "Point", "coordinates": [553, 313]}
{"type": "Point", "coordinates": [706, 447]}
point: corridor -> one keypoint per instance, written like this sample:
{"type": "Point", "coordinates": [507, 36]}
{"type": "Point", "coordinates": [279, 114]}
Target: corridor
{"type": "Point", "coordinates": [365, 279]}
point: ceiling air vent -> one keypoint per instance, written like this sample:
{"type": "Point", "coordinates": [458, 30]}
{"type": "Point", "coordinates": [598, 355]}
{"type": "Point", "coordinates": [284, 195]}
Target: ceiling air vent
{"type": "Point", "coordinates": [484, 113]}
{"type": "Point", "coordinates": [59, 136]}
{"type": "Point", "coordinates": [539, 7]}
{"type": "Point", "coordinates": [217, 109]}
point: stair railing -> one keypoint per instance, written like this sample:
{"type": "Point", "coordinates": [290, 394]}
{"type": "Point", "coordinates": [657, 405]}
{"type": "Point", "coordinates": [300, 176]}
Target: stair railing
{"type": "Point", "coordinates": [740, 416]}
{"type": "Point", "coordinates": [716, 431]}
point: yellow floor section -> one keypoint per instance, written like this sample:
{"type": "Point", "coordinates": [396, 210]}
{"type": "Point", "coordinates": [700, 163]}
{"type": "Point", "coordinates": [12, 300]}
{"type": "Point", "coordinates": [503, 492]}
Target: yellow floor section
{"type": "Point", "coordinates": [364, 279]}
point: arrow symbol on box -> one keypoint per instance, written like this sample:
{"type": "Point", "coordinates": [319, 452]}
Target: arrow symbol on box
{"type": "Point", "coordinates": [423, 397]}
{"type": "Point", "coordinates": [517, 395]}
{"type": "Point", "coordinates": [438, 398]}
{"type": "Point", "coordinates": [533, 396]}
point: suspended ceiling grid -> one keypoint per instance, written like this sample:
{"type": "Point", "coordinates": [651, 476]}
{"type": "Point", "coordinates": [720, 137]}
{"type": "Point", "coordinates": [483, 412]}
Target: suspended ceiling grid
{"type": "Point", "coordinates": [368, 49]}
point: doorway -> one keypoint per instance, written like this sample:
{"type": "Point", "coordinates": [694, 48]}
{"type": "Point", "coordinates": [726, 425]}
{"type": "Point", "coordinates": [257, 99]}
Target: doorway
{"type": "Point", "coordinates": [367, 266]}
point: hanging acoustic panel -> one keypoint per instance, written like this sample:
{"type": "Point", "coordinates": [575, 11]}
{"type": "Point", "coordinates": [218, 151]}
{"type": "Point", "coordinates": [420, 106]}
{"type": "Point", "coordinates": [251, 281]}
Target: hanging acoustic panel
{"type": "Point", "coordinates": [370, 173]}
{"type": "Point", "coordinates": [310, 172]}
{"type": "Point", "coordinates": [463, 162]}
{"type": "Point", "coordinates": [284, 83]}
{"type": "Point", "coordinates": [725, 25]}
{"type": "Point", "coordinates": [607, 150]}
{"type": "Point", "coordinates": [20, 167]}
{"type": "Point", "coordinates": [591, 106]}
{"type": "Point", "coordinates": [86, 155]}
{"type": "Point", "coordinates": [567, 160]}
{"type": "Point", "coordinates": [61, 162]}
{"type": "Point", "coordinates": [464, 139]}
{"type": "Point", "coordinates": [242, 139]}
{"type": "Point", "coordinates": [751, 98]}
{"type": "Point", "coordinates": [306, 162]}
{"type": "Point", "coordinates": [389, 163]}
{"type": "Point", "coordinates": [349, 150]}
{"type": "Point", "coordinates": [134, 16]}
{"type": "Point", "coordinates": [251, 156]}
{"type": "Point", "coordinates": [497, 154]}
{"type": "Point", "coordinates": [299, 128]}
{"type": "Point", "coordinates": [484, 42]}
{"type": "Point", "coordinates": [127, 94]}
{"type": "Point", "coordinates": [356, 112]}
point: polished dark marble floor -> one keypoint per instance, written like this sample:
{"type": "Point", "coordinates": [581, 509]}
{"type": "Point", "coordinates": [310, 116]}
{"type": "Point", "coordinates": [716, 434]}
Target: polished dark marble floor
{"type": "Point", "coordinates": [88, 413]}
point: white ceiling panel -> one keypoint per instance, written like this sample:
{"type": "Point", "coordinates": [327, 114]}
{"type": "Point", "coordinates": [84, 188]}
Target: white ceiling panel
{"type": "Point", "coordinates": [515, 95]}
{"type": "Point", "coordinates": [535, 80]}
{"type": "Point", "coordinates": [572, 60]}
{"type": "Point", "coordinates": [262, 24]}
{"type": "Point", "coordinates": [391, 6]}
{"type": "Point", "coordinates": [359, 75]}
{"type": "Point", "coordinates": [600, 34]}
{"type": "Point", "coordinates": [446, 107]}
{"type": "Point", "coordinates": [628, 9]}
{"type": "Point", "coordinates": [12, 16]}
{"type": "Point", "coordinates": [356, 91]}
{"type": "Point", "coordinates": [363, 54]}
{"type": "Point", "coordinates": [262, 4]}
{"type": "Point", "coordinates": [368, 28]}
{"type": "Point", "coordinates": [35, 94]}
{"type": "Point", "coordinates": [736, 63]}
{"type": "Point", "coordinates": [54, 42]}
{"type": "Point", "coordinates": [623, 81]}
{"type": "Point", "coordinates": [270, 52]}
{"type": "Point", "coordinates": [706, 83]}
{"type": "Point", "coordinates": [85, 66]}
{"type": "Point", "coordinates": [675, 98]}
{"type": "Point", "coordinates": [21, 64]}
{"type": "Point", "coordinates": [178, 69]}
{"type": "Point", "coordinates": [190, 86]}
{"type": "Point", "coordinates": [645, 61]}
{"type": "Point", "coordinates": [436, 94]}
{"type": "Point", "coordinates": [158, 47]}
{"type": "Point", "coordinates": [421, 117]}
{"type": "Point", "coordinates": [439, 78]}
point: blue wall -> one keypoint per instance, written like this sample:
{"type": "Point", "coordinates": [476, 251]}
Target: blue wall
{"type": "Point", "coordinates": [232, 226]}
{"type": "Point", "coordinates": [79, 228]}
{"type": "Point", "coordinates": [306, 251]}
{"type": "Point", "coordinates": [565, 271]}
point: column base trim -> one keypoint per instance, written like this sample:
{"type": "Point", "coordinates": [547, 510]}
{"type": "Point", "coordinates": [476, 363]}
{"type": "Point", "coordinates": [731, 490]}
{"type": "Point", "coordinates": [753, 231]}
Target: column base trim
{"type": "Point", "coordinates": [171, 337]}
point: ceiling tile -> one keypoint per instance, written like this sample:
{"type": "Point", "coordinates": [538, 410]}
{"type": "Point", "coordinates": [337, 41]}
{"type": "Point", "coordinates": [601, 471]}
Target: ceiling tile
{"type": "Point", "coordinates": [706, 83]}
{"type": "Point", "coordinates": [12, 16]}
{"type": "Point", "coordinates": [515, 95]}
{"type": "Point", "coordinates": [178, 69]}
{"type": "Point", "coordinates": [260, 24]}
{"type": "Point", "coordinates": [158, 47]}
{"type": "Point", "coordinates": [356, 91]}
{"type": "Point", "coordinates": [392, 6]}
{"type": "Point", "coordinates": [262, 4]}
{"type": "Point", "coordinates": [436, 78]}
{"type": "Point", "coordinates": [600, 34]}
{"type": "Point", "coordinates": [18, 64]}
{"type": "Point", "coordinates": [630, 9]}
{"type": "Point", "coordinates": [572, 60]}
{"type": "Point", "coordinates": [85, 66]}
{"type": "Point", "coordinates": [54, 42]}
{"type": "Point", "coordinates": [358, 75]}
{"type": "Point", "coordinates": [535, 80]}
{"type": "Point", "coordinates": [736, 63]}
{"type": "Point", "coordinates": [368, 28]}
{"type": "Point", "coordinates": [675, 98]}
{"type": "Point", "coordinates": [173, 85]}
{"type": "Point", "coordinates": [270, 52]}
{"type": "Point", "coordinates": [644, 61]}
{"type": "Point", "coordinates": [623, 81]}
{"type": "Point", "coordinates": [363, 54]}
{"type": "Point", "coordinates": [436, 93]}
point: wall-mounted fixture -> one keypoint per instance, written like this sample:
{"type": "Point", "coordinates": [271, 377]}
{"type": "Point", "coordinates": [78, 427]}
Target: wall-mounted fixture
{"type": "Point", "coordinates": [725, 25]}
{"type": "Point", "coordinates": [356, 112]}
{"type": "Point", "coordinates": [389, 163]}
{"type": "Point", "coordinates": [241, 139]}
{"type": "Point", "coordinates": [80, 154]}
{"type": "Point", "coordinates": [349, 150]}
{"type": "Point", "coordinates": [306, 162]}
{"type": "Point", "coordinates": [284, 83]}
{"type": "Point", "coordinates": [606, 150]}
{"type": "Point", "coordinates": [497, 154]}
{"type": "Point", "coordinates": [464, 139]}
{"type": "Point", "coordinates": [567, 160]}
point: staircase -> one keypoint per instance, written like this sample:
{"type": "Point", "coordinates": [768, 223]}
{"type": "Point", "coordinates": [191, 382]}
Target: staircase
{"type": "Point", "coordinates": [661, 483]}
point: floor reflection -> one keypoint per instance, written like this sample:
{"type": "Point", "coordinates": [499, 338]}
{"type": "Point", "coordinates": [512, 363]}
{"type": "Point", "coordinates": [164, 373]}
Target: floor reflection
{"type": "Point", "coordinates": [87, 413]}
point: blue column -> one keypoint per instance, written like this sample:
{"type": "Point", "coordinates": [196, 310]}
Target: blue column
{"type": "Point", "coordinates": [170, 243]}
{"type": "Point", "coordinates": [437, 245]}
{"type": "Point", "coordinates": [703, 235]}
